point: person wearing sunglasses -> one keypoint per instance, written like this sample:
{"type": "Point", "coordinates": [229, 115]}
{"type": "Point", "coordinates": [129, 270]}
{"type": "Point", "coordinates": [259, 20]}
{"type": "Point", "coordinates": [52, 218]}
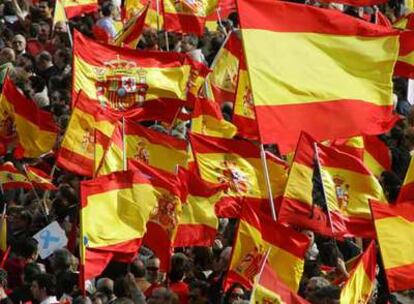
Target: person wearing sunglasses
{"type": "Point", "coordinates": [235, 293]}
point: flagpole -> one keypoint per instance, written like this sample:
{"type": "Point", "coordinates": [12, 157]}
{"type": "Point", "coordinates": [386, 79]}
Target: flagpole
{"type": "Point", "coordinates": [124, 154]}
{"type": "Point", "coordinates": [259, 275]}
{"type": "Point", "coordinates": [267, 180]}
{"type": "Point", "coordinates": [220, 21]}
{"type": "Point", "coordinates": [66, 22]}
{"type": "Point", "coordinates": [42, 203]}
{"type": "Point", "coordinates": [3, 217]}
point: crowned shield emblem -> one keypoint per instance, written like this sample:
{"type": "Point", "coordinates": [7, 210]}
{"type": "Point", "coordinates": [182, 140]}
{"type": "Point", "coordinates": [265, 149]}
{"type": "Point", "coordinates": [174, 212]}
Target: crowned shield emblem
{"type": "Point", "coordinates": [142, 154]}
{"type": "Point", "coordinates": [248, 108]}
{"type": "Point", "coordinates": [88, 138]}
{"type": "Point", "coordinates": [189, 6]}
{"type": "Point", "coordinates": [232, 175]}
{"type": "Point", "coordinates": [121, 84]}
{"type": "Point", "coordinates": [165, 214]}
{"type": "Point", "coordinates": [341, 191]}
{"type": "Point", "coordinates": [249, 266]}
{"type": "Point", "coordinates": [7, 126]}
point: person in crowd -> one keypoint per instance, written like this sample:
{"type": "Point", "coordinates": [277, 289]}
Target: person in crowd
{"type": "Point", "coordinates": [44, 289]}
{"type": "Point", "coordinates": [106, 22]}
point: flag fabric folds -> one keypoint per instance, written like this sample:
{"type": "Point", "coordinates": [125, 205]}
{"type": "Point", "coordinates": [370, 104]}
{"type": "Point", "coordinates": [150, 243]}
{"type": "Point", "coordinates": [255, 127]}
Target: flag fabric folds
{"type": "Point", "coordinates": [75, 8]}
{"type": "Point", "coordinates": [115, 210]}
{"type": "Point", "coordinates": [359, 2]}
{"type": "Point", "coordinates": [11, 178]}
{"type": "Point", "coordinates": [348, 186]}
{"type": "Point", "coordinates": [153, 19]}
{"type": "Point", "coordinates": [35, 128]}
{"type": "Point", "coordinates": [290, 96]}
{"type": "Point", "coordinates": [39, 179]}
{"type": "Point", "coordinates": [186, 16]}
{"type": "Point", "coordinates": [394, 227]}
{"type": "Point", "coordinates": [377, 155]}
{"type": "Point", "coordinates": [198, 222]}
{"type": "Point", "coordinates": [361, 283]}
{"type": "Point", "coordinates": [207, 119]}
{"type": "Point", "coordinates": [407, 188]}
{"type": "Point", "coordinates": [256, 234]}
{"type": "Point", "coordinates": [270, 289]}
{"type": "Point", "coordinates": [122, 78]}
{"type": "Point", "coordinates": [405, 64]}
{"type": "Point", "coordinates": [405, 23]}
{"type": "Point", "coordinates": [132, 30]}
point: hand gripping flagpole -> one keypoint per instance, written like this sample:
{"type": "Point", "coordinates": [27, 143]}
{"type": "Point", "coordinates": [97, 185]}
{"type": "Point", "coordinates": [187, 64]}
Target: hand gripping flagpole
{"type": "Point", "coordinates": [267, 180]}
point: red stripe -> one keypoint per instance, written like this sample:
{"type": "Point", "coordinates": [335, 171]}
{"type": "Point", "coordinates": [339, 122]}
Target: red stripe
{"type": "Point", "coordinates": [378, 150]}
{"type": "Point", "coordinates": [406, 193]}
{"type": "Point", "coordinates": [234, 277]}
{"type": "Point", "coordinates": [400, 278]}
{"type": "Point", "coordinates": [184, 23]}
{"type": "Point", "coordinates": [246, 127]}
{"type": "Point", "coordinates": [359, 2]}
{"type": "Point", "coordinates": [136, 28]}
{"type": "Point", "coordinates": [404, 69]}
{"type": "Point", "coordinates": [300, 214]}
{"type": "Point", "coordinates": [331, 157]}
{"type": "Point", "coordinates": [342, 118]}
{"type": "Point", "coordinates": [228, 207]}
{"type": "Point", "coordinates": [352, 226]}
{"type": "Point", "coordinates": [159, 242]}
{"type": "Point", "coordinates": [73, 11]}
{"type": "Point", "coordinates": [406, 43]}
{"type": "Point", "coordinates": [75, 162]}
{"type": "Point", "coordinates": [369, 260]}
{"type": "Point", "coordinates": [234, 45]}
{"type": "Point", "coordinates": [206, 107]}
{"type": "Point", "coordinates": [206, 144]}
{"type": "Point", "coordinates": [16, 185]}
{"type": "Point", "coordinates": [404, 210]}
{"type": "Point", "coordinates": [194, 235]}
{"type": "Point", "coordinates": [280, 16]}
{"type": "Point", "coordinates": [144, 59]}
{"type": "Point", "coordinates": [304, 153]}
{"type": "Point", "coordinates": [221, 96]}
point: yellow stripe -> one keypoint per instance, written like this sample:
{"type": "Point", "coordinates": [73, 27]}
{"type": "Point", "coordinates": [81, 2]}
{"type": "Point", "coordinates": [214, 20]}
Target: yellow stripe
{"type": "Point", "coordinates": [71, 3]}
{"type": "Point", "coordinates": [224, 74]}
{"type": "Point", "coordinates": [401, 24]}
{"type": "Point", "coordinates": [200, 210]}
{"type": "Point", "coordinates": [123, 215]}
{"type": "Point", "coordinates": [409, 58]}
{"type": "Point", "coordinates": [162, 82]}
{"type": "Point", "coordinates": [208, 125]}
{"type": "Point", "coordinates": [34, 141]}
{"type": "Point", "coordinates": [409, 177]}
{"type": "Point", "coordinates": [250, 182]}
{"type": "Point", "coordinates": [263, 295]}
{"type": "Point", "coordinates": [317, 71]}
{"type": "Point", "coordinates": [392, 234]}
{"type": "Point", "coordinates": [355, 142]}
{"type": "Point", "coordinates": [3, 235]}
{"type": "Point", "coordinates": [358, 288]}
{"type": "Point", "coordinates": [357, 189]}
{"type": "Point", "coordinates": [112, 161]}
{"type": "Point", "coordinates": [202, 8]}
{"type": "Point", "coordinates": [375, 167]}
{"type": "Point", "coordinates": [299, 185]}
{"type": "Point", "coordinates": [243, 105]}
{"type": "Point", "coordinates": [59, 13]}
{"type": "Point", "coordinates": [8, 177]}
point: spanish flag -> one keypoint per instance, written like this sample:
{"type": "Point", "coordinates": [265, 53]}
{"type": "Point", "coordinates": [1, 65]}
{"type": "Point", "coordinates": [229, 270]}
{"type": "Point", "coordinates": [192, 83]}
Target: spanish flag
{"type": "Point", "coordinates": [407, 189]}
{"type": "Point", "coordinates": [394, 226]}
{"type": "Point", "coordinates": [164, 220]}
{"type": "Point", "coordinates": [198, 223]}
{"type": "Point", "coordinates": [76, 153]}
{"type": "Point", "coordinates": [39, 179]}
{"type": "Point", "coordinates": [132, 30]}
{"type": "Point", "coordinates": [360, 285]}
{"type": "Point", "coordinates": [115, 210]}
{"type": "Point", "coordinates": [36, 129]}
{"type": "Point", "coordinates": [144, 145]}
{"type": "Point", "coordinates": [122, 78]}
{"type": "Point", "coordinates": [75, 8]}
{"type": "Point", "coordinates": [302, 61]}
{"type": "Point", "coordinates": [298, 206]}
{"type": "Point", "coordinates": [270, 289]}
{"type": "Point", "coordinates": [59, 13]}
{"type": "Point", "coordinates": [257, 233]}
{"type": "Point", "coordinates": [153, 19]}
{"type": "Point", "coordinates": [348, 186]}
{"type": "Point", "coordinates": [237, 163]}
{"type": "Point", "coordinates": [223, 79]}
{"type": "Point", "coordinates": [223, 10]}
{"type": "Point", "coordinates": [207, 119]}
{"type": "Point", "coordinates": [405, 23]}
{"type": "Point", "coordinates": [187, 16]}
{"type": "Point", "coordinates": [405, 64]}
{"type": "Point", "coordinates": [244, 116]}
{"type": "Point", "coordinates": [11, 178]}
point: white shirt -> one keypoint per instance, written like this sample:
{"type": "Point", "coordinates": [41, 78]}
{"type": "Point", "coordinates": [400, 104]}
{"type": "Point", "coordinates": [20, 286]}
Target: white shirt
{"type": "Point", "coordinates": [50, 300]}
{"type": "Point", "coordinates": [108, 25]}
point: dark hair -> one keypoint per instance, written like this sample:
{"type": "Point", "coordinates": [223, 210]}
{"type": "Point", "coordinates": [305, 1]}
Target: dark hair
{"type": "Point", "coordinates": [179, 266]}
{"type": "Point", "coordinates": [121, 288]}
{"type": "Point", "coordinates": [107, 8]}
{"type": "Point", "coordinates": [230, 291]}
{"type": "Point", "coordinates": [30, 271]}
{"type": "Point", "coordinates": [69, 280]}
{"type": "Point", "coordinates": [46, 281]}
{"type": "Point", "coordinates": [26, 248]}
{"type": "Point", "coordinates": [138, 269]}
{"type": "Point", "coordinates": [330, 292]}
{"type": "Point", "coordinates": [44, 56]}
{"type": "Point", "coordinates": [37, 83]}
{"type": "Point", "coordinates": [391, 184]}
{"type": "Point", "coordinates": [62, 259]}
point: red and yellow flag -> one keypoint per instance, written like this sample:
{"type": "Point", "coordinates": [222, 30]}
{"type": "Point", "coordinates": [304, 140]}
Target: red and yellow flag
{"type": "Point", "coordinates": [198, 223]}
{"type": "Point", "coordinates": [395, 226]}
{"type": "Point", "coordinates": [405, 23]}
{"type": "Point", "coordinates": [256, 235]}
{"type": "Point", "coordinates": [145, 145]}
{"type": "Point", "coordinates": [207, 119]}
{"type": "Point", "coordinates": [348, 186]}
{"type": "Point", "coordinates": [124, 202]}
{"type": "Point", "coordinates": [405, 64]}
{"type": "Point", "coordinates": [223, 78]}
{"type": "Point", "coordinates": [298, 206]}
{"type": "Point", "coordinates": [75, 8]}
{"type": "Point", "coordinates": [407, 189]}
{"type": "Point", "coordinates": [76, 152]}
{"type": "Point", "coordinates": [302, 61]}
{"type": "Point", "coordinates": [39, 179]}
{"type": "Point", "coordinates": [122, 78]}
{"type": "Point", "coordinates": [361, 283]}
{"type": "Point", "coordinates": [187, 16]}
{"type": "Point", "coordinates": [270, 289]}
{"type": "Point", "coordinates": [237, 164]}
{"type": "Point", "coordinates": [223, 10]}
{"type": "Point", "coordinates": [153, 19]}
{"type": "Point", "coordinates": [11, 178]}
{"type": "Point", "coordinates": [35, 129]}
{"type": "Point", "coordinates": [132, 30]}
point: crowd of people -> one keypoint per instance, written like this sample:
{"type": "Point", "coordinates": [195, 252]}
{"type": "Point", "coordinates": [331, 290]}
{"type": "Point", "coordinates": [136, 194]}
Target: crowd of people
{"type": "Point", "coordinates": [37, 55]}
